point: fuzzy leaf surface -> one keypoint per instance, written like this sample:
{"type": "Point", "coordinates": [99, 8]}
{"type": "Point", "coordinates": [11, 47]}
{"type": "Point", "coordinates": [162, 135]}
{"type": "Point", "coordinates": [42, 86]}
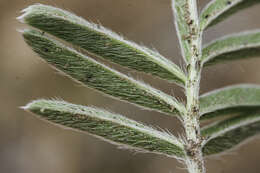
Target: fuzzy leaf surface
{"type": "Point", "coordinates": [227, 112]}
{"type": "Point", "coordinates": [98, 76]}
{"type": "Point", "coordinates": [227, 134]}
{"type": "Point", "coordinates": [244, 97]}
{"type": "Point", "coordinates": [110, 127]}
{"type": "Point", "coordinates": [101, 42]}
{"type": "Point", "coordinates": [239, 46]}
{"type": "Point", "coordinates": [218, 10]}
{"type": "Point", "coordinates": [182, 22]}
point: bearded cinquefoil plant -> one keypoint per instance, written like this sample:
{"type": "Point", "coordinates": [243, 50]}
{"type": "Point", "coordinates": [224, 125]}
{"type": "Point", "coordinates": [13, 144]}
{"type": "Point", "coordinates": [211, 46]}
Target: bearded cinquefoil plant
{"type": "Point", "coordinates": [238, 105]}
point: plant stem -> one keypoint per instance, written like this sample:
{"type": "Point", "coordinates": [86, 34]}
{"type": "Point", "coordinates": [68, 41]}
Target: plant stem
{"type": "Point", "coordinates": [194, 159]}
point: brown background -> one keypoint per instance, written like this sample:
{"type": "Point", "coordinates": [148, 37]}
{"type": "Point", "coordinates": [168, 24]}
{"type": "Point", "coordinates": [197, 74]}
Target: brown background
{"type": "Point", "coordinates": [28, 145]}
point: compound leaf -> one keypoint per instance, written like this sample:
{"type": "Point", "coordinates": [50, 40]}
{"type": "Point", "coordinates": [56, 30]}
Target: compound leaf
{"type": "Point", "coordinates": [233, 47]}
{"type": "Point", "coordinates": [98, 76]}
{"type": "Point", "coordinates": [110, 127]}
{"type": "Point", "coordinates": [101, 42]}
{"type": "Point", "coordinates": [218, 10]}
{"type": "Point", "coordinates": [236, 98]}
{"type": "Point", "coordinates": [227, 134]}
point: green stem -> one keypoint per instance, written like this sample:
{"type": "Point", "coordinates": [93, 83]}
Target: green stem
{"type": "Point", "coordinates": [194, 159]}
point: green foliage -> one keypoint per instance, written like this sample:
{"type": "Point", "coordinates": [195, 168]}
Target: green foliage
{"type": "Point", "coordinates": [233, 98]}
{"type": "Point", "coordinates": [234, 47]}
{"type": "Point", "coordinates": [227, 134]}
{"type": "Point", "coordinates": [112, 127]}
{"type": "Point", "coordinates": [98, 76]}
{"type": "Point", "coordinates": [238, 104]}
{"type": "Point", "coordinates": [101, 42]}
{"type": "Point", "coordinates": [182, 22]}
{"type": "Point", "coordinates": [218, 10]}
{"type": "Point", "coordinates": [231, 111]}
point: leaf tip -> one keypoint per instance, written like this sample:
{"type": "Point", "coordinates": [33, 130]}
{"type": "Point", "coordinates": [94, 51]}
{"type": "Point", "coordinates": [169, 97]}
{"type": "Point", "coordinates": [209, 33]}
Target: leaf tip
{"type": "Point", "coordinates": [28, 11]}
{"type": "Point", "coordinates": [25, 13]}
{"type": "Point", "coordinates": [36, 104]}
{"type": "Point", "coordinates": [20, 30]}
{"type": "Point", "coordinates": [26, 107]}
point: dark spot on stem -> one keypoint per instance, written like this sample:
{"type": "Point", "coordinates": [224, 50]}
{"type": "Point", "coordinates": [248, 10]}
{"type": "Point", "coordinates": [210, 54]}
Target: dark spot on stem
{"type": "Point", "coordinates": [190, 152]}
{"type": "Point", "coordinates": [188, 67]}
{"type": "Point", "coordinates": [206, 16]}
{"type": "Point", "coordinates": [196, 131]}
{"type": "Point", "coordinates": [229, 2]}
{"type": "Point", "coordinates": [198, 65]}
{"type": "Point", "coordinates": [190, 22]}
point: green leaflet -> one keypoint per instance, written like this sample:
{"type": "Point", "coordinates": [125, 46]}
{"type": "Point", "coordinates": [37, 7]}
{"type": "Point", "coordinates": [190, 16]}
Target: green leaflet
{"type": "Point", "coordinates": [182, 26]}
{"type": "Point", "coordinates": [100, 77]}
{"type": "Point", "coordinates": [218, 10]}
{"type": "Point", "coordinates": [230, 99]}
{"type": "Point", "coordinates": [230, 112]}
{"type": "Point", "coordinates": [101, 42]}
{"type": "Point", "coordinates": [113, 128]}
{"type": "Point", "coordinates": [233, 47]}
{"type": "Point", "coordinates": [229, 133]}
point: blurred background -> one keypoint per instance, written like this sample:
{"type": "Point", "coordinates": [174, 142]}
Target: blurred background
{"type": "Point", "coordinates": [28, 145]}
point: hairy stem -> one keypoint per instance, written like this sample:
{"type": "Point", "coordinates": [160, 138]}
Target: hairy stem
{"type": "Point", "coordinates": [194, 159]}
